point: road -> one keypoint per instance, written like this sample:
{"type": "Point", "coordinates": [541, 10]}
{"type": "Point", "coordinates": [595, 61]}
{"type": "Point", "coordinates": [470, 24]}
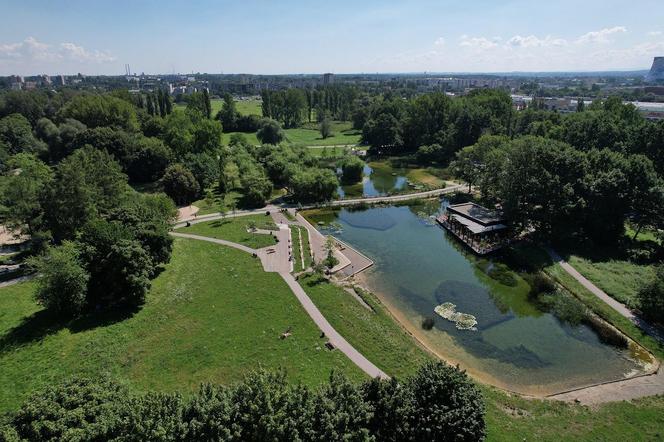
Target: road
{"type": "Point", "coordinates": [333, 336]}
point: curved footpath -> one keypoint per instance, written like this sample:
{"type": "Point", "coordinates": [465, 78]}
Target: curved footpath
{"type": "Point", "coordinates": [333, 336]}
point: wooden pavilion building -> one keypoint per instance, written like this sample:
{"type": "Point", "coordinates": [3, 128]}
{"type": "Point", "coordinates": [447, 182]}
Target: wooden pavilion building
{"type": "Point", "coordinates": [481, 229]}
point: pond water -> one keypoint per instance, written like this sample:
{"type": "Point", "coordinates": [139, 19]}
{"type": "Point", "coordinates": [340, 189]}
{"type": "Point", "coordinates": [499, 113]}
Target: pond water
{"type": "Point", "coordinates": [378, 181]}
{"type": "Point", "coordinates": [514, 345]}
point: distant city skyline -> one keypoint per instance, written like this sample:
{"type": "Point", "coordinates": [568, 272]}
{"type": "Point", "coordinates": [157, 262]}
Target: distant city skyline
{"type": "Point", "coordinates": [290, 37]}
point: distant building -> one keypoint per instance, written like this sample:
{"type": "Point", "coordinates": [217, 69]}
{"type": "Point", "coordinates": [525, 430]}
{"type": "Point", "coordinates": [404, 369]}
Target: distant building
{"type": "Point", "coordinates": [328, 78]}
{"type": "Point", "coordinates": [650, 111]}
{"type": "Point", "coordinates": [45, 80]}
{"type": "Point", "coordinates": [657, 70]}
{"type": "Point", "coordinates": [59, 80]}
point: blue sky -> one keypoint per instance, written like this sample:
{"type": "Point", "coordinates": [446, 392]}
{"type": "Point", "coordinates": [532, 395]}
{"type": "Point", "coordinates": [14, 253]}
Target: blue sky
{"type": "Point", "coordinates": [289, 36]}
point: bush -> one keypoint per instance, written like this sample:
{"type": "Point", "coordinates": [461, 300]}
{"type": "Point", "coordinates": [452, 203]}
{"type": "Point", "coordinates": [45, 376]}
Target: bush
{"type": "Point", "coordinates": [651, 297]}
{"type": "Point", "coordinates": [539, 283]}
{"type": "Point", "coordinates": [269, 132]}
{"type": "Point", "coordinates": [446, 405]}
{"type": "Point", "coordinates": [438, 403]}
{"type": "Point", "coordinates": [352, 169]}
{"type": "Point", "coordinates": [428, 323]}
{"type": "Point", "coordinates": [62, 281]}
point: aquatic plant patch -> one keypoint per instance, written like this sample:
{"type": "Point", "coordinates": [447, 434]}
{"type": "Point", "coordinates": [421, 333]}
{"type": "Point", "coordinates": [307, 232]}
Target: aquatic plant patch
{"type": "Point", "coordinates": [463, 321]}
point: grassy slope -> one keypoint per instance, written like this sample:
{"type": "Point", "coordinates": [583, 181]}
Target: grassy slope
{"type": "Point", "coordinates": [620, 279]}
{"type": "Point", "coordinates": [375, 334]}
{"type": "Point", "coordinates": [509, 418]}
{"type": "Point", "coordinates": [203, 321]}
{"type": "Point", "coordinates": [235, 229]}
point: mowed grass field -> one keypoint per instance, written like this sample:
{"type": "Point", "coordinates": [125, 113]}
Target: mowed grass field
{"type": "Point", "coordinates": [212, 315]}
{"type": "Point", "coordinates": [245, 107]}
{"type": "Point", "coordinates": [235, 229]}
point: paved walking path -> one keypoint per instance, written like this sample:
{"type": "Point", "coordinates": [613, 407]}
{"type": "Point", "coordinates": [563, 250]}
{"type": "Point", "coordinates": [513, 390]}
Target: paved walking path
{"type": "Point", "coordinates": [334, 337]}
{"type": "Point", "coordinates": [626, 390]}
{"type": "Point", "coordinates": [647, 385]}
{"type": "Point", "coordinates": [601, 294]}
{"type": "Point", "coordinates": [16, 280]}
{"type": "Point", "coordinates": [377, 199]}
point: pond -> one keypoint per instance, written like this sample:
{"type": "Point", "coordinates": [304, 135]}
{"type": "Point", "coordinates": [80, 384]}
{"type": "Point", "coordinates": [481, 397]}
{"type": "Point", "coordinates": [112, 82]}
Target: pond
{"type": "Point", "coordinates": [513, 345]}
{"type": "Point", "coordinates": [380, 180]}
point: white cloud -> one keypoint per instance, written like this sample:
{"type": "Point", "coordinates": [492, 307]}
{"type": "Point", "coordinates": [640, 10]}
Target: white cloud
{"type": "Point", "coordinates": [530, 53]}
{"type": "Point", "coordinates": [477, 42]}
{"type": "Point", "coordinates": [32, 50]}
{"type": "Point", "coordinates": [654, 33]}
{"type": "Point", "coordinates": [533, 41]}
{"type": "Point", "coordinates": [439, 43]}
{"type": "Point", "coordinates": [601, 36]}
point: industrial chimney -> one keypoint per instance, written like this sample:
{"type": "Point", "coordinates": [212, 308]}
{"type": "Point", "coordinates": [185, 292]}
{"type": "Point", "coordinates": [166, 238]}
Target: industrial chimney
{"type": "Point", "coordinates": [657, 70]}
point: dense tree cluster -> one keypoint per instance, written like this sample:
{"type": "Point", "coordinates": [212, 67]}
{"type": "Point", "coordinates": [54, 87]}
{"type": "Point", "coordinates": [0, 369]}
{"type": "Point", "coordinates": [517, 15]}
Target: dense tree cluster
{"type": "Point", "coordinates": [256, 170]}
{"type": "Point", "coordinates": [395, 126]}
{"type": "Point", "coordinates": [293, 106]}
{"type": "Point", "coordinates": [438, 403]}
{"type": "Point", "coordinates": [69, 159]}
{"type": "Point", "coordinates": [561, 191]}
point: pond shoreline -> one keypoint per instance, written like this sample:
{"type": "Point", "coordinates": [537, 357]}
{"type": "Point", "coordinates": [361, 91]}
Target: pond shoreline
{"type": "Point", "coordinates": [361, 280]}
{"type": "Point", "coordinates": [436, 343]}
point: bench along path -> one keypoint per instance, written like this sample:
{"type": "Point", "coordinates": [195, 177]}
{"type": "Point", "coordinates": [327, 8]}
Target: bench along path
{"type": "Point", "coordinates": [334, 337]}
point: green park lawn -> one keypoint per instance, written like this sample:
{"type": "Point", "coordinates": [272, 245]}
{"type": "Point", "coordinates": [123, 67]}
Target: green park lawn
{"type": "Point", "coordinates": [212, 315]}
{"type": "Point", "coordinates": [244, 107]}
{"type": "Point", "coordinates": [235, 229]}
{"type": "Point", "coordinates": [251, 138]}
{"type": "Point", "coordinates": [309, 135]}
{"type": "Point", "coordinates": [374, 333]}
{"type": "Point", "coordinates": [249, 107]}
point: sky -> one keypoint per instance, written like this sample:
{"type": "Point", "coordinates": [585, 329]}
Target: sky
{"type": "Point", "coordinates": [339, 36]}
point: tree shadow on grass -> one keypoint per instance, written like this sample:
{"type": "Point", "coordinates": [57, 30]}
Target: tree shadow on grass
{"type": "Point", "coordinates": [219, 222]}
{"type": "Point", "coordinates": [38, 326]}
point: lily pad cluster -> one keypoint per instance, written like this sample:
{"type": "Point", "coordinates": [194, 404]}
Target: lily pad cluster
{"type": "Point", "coordinates": [463, 321]}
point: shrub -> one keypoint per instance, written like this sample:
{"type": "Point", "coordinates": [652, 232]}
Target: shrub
{"type": "Point", "coordinates": [62, 280]}
{"type": "Point", "coordinates": [651, 297]}
{"type": "Point", "coordinates": [428, 323]}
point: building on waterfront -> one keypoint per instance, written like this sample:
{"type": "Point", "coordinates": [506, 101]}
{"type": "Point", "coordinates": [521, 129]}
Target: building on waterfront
{"type": "Point", "coordinates": [328, 78]}
{"type": "Point", "coordinates": [481, 229]}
